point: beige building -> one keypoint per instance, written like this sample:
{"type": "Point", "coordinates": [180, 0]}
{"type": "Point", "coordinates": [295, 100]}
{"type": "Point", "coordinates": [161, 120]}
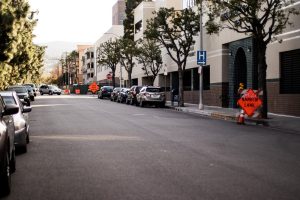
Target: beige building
{"type": "Point", "coordinates": [88, 65]}
{"type": "Point", "coordinates": [118, 12]}
{"type": "Point", "coordinates": [81, 49]}
{"type": "Point", "coordinates": [231, 59]}
{"type": "Point", "coordinates": [115, 32]}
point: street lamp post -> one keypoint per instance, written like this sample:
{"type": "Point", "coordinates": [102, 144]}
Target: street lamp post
{"type": "Point", "coordinates": [201, 106]}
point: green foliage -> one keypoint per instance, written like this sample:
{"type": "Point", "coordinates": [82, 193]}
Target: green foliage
{"type": "Point", "coordinates": [128, 51]}
{"type": "Point", "coordinates": [129, 20]}
{"type": "Point", "coordinates": [174, 30]}
{"type": "Point", "coordinates": [20, 59]}
{"type": "Point", "coordinates": [149, 55]}
{"type": "Point", "coordinates": [108, 54]}
{"type": "Point", "coordinates": [261, 19]}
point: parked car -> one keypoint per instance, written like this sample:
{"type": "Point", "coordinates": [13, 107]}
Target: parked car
{"type": "Point", "coordinates": [34, 87]}
{"type": "Point", "coordinates": [22, 93]}
{"type": "Point", "coordinates": [134, 90]}
{"type": "Point", "coordinates": [7, 148]}
{"type": "Point", "coordinates": [21, 121]}
{"type": "Point", "coordinates": [30, 92]}
{"type": "Point", "coordinates": [114, 94]}
{"type": "Point", "coordinates": [105, 91]}
{"type": "Point", "coordinates": [50, 89]}
{"type": "Point", "coordinates": [122, 95]}
{"type": "Point", "coordinates": [152, 96]}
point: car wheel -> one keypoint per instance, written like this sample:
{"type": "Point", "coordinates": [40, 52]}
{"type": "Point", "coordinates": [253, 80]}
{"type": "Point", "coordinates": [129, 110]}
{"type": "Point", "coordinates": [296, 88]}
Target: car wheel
{"type": "Point", "coordinates": [141, 103]}
{"type": "Point", "coordinates": [41, 93]}
{"type": "Point", "coordinates": [58, 93]}
{"type": "Point", "coordinates": [5, 178]}
{"type": "Point", "coordinates": [101, 97]}
{"type": "Point", "coordinates": [111, 99]}
{"type": "Point", "coordinates": [12, 162]}
{"type": "Point", "coordinates": [27, 138]}
{"type": "Point", "coordinates": [50, 93]}
{"type": "Point", "coordinates": [127, 101]}
{"type": "Point", "coordinates": [23, 148]}
{"type": "Point", "coordinates": [162, 105]}
{"type": "Point", "coordinates": [32, 98]}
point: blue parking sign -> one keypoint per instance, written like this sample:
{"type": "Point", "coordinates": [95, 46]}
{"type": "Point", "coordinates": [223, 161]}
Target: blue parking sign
{"type": "Point", "coordinates": [201, 57]}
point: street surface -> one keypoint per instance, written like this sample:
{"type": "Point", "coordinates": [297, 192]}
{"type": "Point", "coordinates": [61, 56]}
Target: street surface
{"type": "Point", "coordinates": [86, 148]}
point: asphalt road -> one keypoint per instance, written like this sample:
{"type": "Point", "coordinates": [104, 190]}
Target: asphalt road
{"type": "Point", "coordinates": [86, 148]}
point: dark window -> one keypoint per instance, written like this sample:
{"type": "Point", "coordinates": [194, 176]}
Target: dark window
{"type": "Point", "coordinates": [92, 54]}
{"type": "Point", "coordinates": [187, 83]}
{"type": "Point", "coordinates": [138, 26]}
{"type": "Point", "coordinates": [206, 77]}
{"type": "Point", "coordinates": [290, 72]}
{"type": "Point", "coordinates": [154, 90]}
{"type": "Point", "coordinates": [92, 65]}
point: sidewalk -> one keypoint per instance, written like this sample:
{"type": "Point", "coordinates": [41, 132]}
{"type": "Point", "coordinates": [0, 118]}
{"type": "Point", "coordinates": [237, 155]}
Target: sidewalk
{"type": "Point", "coordinates": [282, 122]}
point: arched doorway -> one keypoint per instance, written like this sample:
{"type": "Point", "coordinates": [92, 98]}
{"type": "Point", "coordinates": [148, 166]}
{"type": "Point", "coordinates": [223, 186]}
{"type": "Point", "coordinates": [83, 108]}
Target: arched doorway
{"type": "Point", "coordinates": [240, 72]}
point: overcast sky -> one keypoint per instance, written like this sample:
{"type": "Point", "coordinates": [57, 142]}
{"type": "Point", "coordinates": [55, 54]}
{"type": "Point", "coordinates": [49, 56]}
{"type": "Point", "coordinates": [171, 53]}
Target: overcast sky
{"type": "Point", "coordinates": [72, 20]}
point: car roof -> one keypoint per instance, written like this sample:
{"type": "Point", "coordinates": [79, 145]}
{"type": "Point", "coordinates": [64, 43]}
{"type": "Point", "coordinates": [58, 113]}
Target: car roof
{"type": "Point", "coordinates": [7, 93]}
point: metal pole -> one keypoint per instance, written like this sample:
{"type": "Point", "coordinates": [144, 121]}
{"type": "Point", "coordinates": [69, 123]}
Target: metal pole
{"type": "Point", "coordinates": [201, 106]}
{"type": "Point", "coordinates": [120, 76]}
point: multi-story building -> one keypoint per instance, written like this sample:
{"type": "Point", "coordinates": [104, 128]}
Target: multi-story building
{"type": "Point", "coordinates": [88, 66]}
{"type": "Point", "coordinates": [118, 13]}
{"type": "Point", "coordinates": [115, 32]}
{"type": "Point", "coordinates": [80, 50]}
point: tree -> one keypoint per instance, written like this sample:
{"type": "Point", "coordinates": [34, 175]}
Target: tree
{"type": "Point", "coordinates": [73, 63]}
{"type": "Point", "coordinates": [128, 51]}
{"type": "Point", "coordinates": [129, 20]}
{"type": "Point", "coordinates": [261, 19]}
{"type": "Point", "coordinates": [175, 30]}
{"type": "Point", "coordinates": [149, 55]}
{"type": "Point", "coordinates": [108, 54]}
{"type": "Point", "coordinates": [20, 59]}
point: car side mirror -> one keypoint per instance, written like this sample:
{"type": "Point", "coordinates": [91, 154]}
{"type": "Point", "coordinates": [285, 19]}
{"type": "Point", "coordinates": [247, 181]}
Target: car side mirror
{"type": "Point", "coordinates": [11, 109]}
{"type": "Point", "coordinates": [27, 109]}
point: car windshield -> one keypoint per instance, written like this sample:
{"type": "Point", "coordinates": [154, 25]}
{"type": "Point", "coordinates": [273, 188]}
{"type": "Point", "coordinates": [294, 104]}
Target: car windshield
{"type": "Point", "coordinates": [9, 100]}
{"type": "Point", "coordinates": [109, 89]}
{"type": "Point", "coordinates": [31, 85]}
{"type": "Point", "coordinates": [18, 89]}
{"type": "Point", "coordinates": [153, 89]}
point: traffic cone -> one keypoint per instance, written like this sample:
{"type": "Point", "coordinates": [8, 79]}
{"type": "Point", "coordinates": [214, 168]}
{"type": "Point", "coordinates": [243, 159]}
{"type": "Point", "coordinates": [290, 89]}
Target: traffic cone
{"type": "Point", "coordinates": [241, 118]}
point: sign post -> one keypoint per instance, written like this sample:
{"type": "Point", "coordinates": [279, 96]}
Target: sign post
{"type": "Point", "coordinates": [201, 60]}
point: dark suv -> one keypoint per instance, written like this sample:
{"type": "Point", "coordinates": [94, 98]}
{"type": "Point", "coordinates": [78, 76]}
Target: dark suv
{"type": "Point", "coordinates": [105, 91]}
{"type": "Point", "coordinates": [134, 90]}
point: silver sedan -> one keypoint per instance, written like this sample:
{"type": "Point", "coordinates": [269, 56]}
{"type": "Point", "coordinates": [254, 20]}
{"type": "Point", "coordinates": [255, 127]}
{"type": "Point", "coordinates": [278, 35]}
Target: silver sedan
{"type": "Point", "coordinates": [21, 121]}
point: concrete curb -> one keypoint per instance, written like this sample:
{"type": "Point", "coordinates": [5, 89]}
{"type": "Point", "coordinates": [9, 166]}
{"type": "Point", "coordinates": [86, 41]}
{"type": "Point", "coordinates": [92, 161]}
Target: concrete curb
{"type": "Point", "coordinates": [218, 115]}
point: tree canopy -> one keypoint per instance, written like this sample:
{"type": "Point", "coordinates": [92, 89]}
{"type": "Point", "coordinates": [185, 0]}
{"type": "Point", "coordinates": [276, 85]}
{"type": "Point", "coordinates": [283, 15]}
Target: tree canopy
{"type": "Point", "coordinates": [174, 30]}
{"type": "Point", "coordinates": [20, 60]}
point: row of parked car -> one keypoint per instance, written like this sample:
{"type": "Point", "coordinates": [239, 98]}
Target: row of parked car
{"type": "Point", "coordinates": [136, 95]}
{"type": "Point", "coordinates": [14, 130]}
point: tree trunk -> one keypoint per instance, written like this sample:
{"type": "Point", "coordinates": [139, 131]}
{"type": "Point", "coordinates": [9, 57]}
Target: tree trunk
{"type": "Point", "coordinates": [129, 78]}
{"type": "Point", "coordinates": [114, 78]}
{"type": "Point", "coordinates": [262, 76]}
{"type": "Point", "coordinates": [180, 89]}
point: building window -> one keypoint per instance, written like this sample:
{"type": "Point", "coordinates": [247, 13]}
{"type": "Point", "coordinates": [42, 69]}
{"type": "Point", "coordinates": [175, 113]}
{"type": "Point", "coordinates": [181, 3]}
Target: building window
{"type": "Point", "coordinates": [92, 65]}
{"type": "Point", "coordinates": [92, 54]}
{"type": "Point", "coordinates": [206, 77]}
{"type": "Point", "coordinates": [138, 26]}
{"type": "Point", "coordinates": [92, 75]}
{"type": "Point", "coordinates": [290, 72]}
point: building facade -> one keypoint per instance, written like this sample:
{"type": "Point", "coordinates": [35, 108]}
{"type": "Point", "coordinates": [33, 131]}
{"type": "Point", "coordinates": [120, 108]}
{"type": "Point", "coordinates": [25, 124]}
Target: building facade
{"type": "Point", "coordinates": [80, 50]}
{"type": "Point", "coordinates": [88, 66]}
{"type": "Point", "coordinates": [118, 13]}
